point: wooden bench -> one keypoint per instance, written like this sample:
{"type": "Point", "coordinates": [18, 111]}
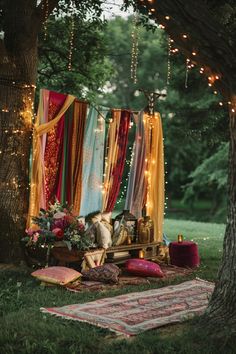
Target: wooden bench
{"type": "Point", "coordinates": [119, 254]}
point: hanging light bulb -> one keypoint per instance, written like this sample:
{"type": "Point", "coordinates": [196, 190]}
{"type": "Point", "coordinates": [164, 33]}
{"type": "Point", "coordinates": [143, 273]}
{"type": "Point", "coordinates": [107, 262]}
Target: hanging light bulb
{"type": "Point", "coordinates": [186, 73]}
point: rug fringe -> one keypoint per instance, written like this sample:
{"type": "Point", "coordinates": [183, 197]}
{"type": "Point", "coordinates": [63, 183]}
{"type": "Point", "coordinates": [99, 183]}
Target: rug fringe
{"type": "Point", "coordinates": [118, 333]}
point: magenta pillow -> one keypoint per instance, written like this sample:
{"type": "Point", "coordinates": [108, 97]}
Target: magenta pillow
{"type": "Point", "coordinates": [143, 268]}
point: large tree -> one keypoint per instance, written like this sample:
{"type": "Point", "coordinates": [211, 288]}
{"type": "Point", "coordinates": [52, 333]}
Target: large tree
{"type": "Point", "coordinates": [205, 31]}
{"type": "Point", "coordinates": [21, 22]}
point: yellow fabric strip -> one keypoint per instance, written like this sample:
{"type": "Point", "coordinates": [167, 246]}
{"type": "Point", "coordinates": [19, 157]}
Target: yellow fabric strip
{"type": "Point", "coordinates": [37, 162]}
{"type": "Point", "coordinates": [111, 157]}
{"type": "Point", "coordinates": [155, 174]}
{"type": "Point", "coordinates": [80, 114]}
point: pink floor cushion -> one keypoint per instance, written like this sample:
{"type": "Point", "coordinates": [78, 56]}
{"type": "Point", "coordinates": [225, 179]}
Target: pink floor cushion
{"type": "Point", "coordinates": [56, 275]}
{"type": "Point", "coordinates": [143, 268]}
{"type": "Point", "coordinates": [184, 254]}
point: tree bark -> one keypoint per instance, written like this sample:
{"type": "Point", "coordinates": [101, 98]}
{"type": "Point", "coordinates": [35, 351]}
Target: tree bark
{"type": "Point", "coordinates": [211, 45]}
{"type": "Point", "coordinates": [17, 83]}
{"type": "Point", "coordinates": [222, 306]}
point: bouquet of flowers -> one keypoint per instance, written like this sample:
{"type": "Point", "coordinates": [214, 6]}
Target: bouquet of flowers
{"type": "Point", "coordinates": [58, 223]}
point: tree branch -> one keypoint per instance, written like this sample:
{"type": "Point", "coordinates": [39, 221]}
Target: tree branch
{"type": "Point", "coordinates": [44, 10]}
{"type": "Point", "coordinates": [205, 36]}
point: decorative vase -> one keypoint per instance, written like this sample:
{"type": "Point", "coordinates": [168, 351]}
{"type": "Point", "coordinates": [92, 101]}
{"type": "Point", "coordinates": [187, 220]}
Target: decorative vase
{"type": "Point", "coordinates": [145, 230]}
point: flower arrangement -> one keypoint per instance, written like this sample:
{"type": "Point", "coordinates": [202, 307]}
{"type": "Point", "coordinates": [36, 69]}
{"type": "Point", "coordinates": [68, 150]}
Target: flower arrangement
{"type": "Point", "coordinates": [58, 223]}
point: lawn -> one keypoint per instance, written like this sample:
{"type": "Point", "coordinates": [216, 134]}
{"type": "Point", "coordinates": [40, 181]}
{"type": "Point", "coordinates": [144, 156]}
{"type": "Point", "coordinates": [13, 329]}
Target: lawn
{"type": "Point", "coordinates": [24, 329]}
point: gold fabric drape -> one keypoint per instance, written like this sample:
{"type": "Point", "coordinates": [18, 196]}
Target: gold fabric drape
{"type": "Point", "coordinates": [111, 158]}
{"type": "Point", "coordinates": [155, 172]}
{"type": "Point", "coordinates": [37, 168]}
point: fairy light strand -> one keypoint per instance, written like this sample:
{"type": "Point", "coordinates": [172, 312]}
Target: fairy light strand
{"type": "Point", "coordinates": [71, 43]}
{"type": "Point", "coordinates": [169, 62]}
{"type": "Point", "coordinates": [46, 12]}
{"type": "Point", "coordinates": [135, 49]}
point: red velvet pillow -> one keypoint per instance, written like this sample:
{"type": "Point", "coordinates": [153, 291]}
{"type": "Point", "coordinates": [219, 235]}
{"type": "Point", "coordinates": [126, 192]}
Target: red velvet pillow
{"type": "Point", "coordinates": [143, 268]}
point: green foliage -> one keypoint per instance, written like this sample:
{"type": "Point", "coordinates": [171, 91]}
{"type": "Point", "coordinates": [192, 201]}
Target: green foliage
{"type": "Point", "coordinates": [90, 69]}
{"type": "Point", "coordinates": [194, 125]}
{"type": "Point", "coordinates": [210, 175]}
{"type": "Point", "coordinates": [58, 223]}
{"type": "Point", "coordinates": [25, 330]}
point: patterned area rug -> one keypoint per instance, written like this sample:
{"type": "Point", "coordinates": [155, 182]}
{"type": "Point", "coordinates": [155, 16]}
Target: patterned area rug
{"type": "Point", "coordinates": [126, 280]}
{"type": "Point", "coordinates": [137, 312]}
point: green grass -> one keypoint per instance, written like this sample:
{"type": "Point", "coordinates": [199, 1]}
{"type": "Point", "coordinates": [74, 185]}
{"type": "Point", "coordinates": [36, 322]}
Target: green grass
{"type": "Point", "coordinates": [24, 329]}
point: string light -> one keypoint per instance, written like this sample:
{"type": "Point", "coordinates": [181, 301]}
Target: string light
{"type": "Point", "coordinates": [135, 49]}
{"type": "Point", "coordinates": [46, 12]}
{"type": "Point", "coordinates": [71, 43]}
{"type": "Point", "coordinates": [187, 72]}
{"type": "Point", "coordinates": [169, 62]}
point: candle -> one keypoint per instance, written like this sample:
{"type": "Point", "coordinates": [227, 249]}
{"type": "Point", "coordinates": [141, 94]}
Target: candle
{"type": "Point", "coordinates": [141, 254]}
{"type": "Point", "coordinates": [180, 238]}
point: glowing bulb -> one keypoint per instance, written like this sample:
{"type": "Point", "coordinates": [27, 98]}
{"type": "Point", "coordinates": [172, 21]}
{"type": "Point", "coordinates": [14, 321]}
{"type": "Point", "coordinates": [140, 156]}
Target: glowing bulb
{"type": "Point", "coordinates": [167, 17]}
{"type": "Point", "coordinates": [194, 53]}
{"type": "Point", "coordinates": [221, 103]}
{"type": "Point", "coordinates": [185, 36]}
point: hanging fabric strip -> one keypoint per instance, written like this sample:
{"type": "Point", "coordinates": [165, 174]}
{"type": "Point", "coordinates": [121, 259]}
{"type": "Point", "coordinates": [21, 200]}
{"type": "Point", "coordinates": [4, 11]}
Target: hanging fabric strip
{"type": "Point", "coordinates": [92, 173]}
{"type": "Point", "coordinates": [80, 114]}
{"type": "Point", "coordinates": [155, 174]}
{"type": "Point", "coordinates": [117, 144]}
{"type": "Point", "coordinates": [44, 99]}
{"type": "Point", "coordinates": [37, 161]}
{"type": "Point", "coordinates": [137, 183]}
{"type": "Point", "coordinates": [111, 154]}
{"type": "Point", "coordinates": [54, 148]}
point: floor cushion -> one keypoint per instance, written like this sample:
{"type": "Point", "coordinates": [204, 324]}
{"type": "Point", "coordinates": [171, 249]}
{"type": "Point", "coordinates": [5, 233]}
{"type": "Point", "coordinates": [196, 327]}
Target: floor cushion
{"type": "Point", "coordinates": [106, 273]}
{"type": "Point", "coordinates": [56, 275]}
{"type": "Point", "coordinates": [184, 254]}
{"type": "Point", "coordinates": [143, 268]}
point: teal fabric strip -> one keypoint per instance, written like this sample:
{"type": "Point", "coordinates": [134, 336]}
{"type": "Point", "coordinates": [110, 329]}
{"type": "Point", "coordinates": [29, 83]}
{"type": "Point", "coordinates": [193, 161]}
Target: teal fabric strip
{"type": "Point", "coordinates": [93, 156]}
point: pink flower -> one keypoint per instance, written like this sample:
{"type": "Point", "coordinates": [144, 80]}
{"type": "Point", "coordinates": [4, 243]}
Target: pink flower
{"type": "Point", "coordinates": [80, 226]}
{"type": "Point", "coordinates": [70, 218]}
{"type": "Point", "coordinates": [59, 215]}
{"type": "Point", "coordinates": [58, 233]}
{"type": "Point", "coordinates": [35, 237]}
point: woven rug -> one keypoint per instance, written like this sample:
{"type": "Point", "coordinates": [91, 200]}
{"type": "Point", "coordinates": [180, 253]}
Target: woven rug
{"type": "Point", "coordinates": [137, 312]}
{"type": "Point", "coordinates": [169, 271]}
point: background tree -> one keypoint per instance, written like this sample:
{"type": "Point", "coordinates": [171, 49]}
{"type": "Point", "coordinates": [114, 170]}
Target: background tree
{"type": "Point", "coordinates": [193, 122]}
{"type": "Point", "coordinates": [21, 22]}
{"type": "Point", "coordinates": [90, 67]}
{"type": "Point", "coordinates": [205, 32]}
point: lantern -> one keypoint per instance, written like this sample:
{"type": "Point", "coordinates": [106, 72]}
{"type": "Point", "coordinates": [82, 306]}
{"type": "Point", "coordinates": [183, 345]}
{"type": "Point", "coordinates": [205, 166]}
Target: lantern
{"type": "Point", "coordinates": [130, 222]}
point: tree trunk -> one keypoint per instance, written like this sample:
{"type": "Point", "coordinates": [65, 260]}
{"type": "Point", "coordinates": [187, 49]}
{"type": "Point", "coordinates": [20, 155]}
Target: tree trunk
{"type": "Point", "coordinates": [222, 306]}
{"type": "Point", "coordinates": [17, 84]}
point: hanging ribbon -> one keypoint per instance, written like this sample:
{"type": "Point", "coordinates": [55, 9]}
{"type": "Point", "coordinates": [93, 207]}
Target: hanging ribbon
{"type": "Point", "coordinates": [37, 161]}
{"type": "Point", "coordinates": [117, 144]}
{"type": "Point", "coordinates": [93, 155]}
{"type": "Point", "coordinates": [137, 183]}
{"type": "Point", "coordinates": [155, 174]}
